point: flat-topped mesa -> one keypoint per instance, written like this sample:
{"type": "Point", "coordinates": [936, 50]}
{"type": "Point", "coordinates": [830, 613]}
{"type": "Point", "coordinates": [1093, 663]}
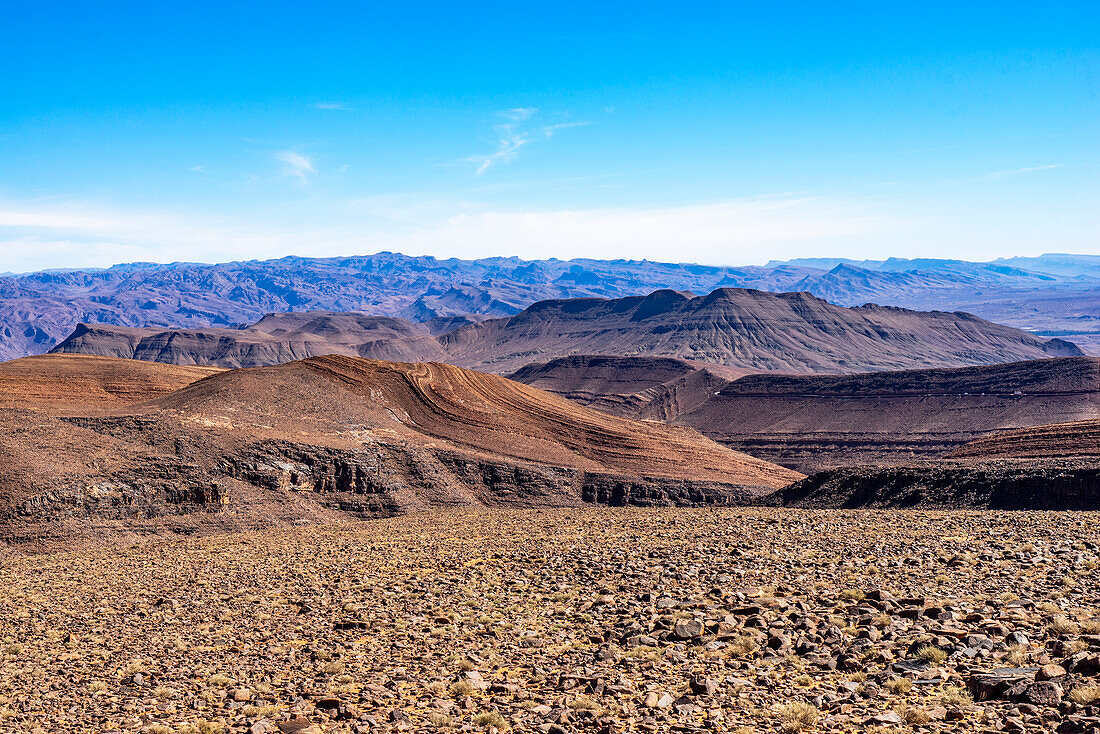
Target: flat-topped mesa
{"type": "Point", "coordinates": [814, 422]}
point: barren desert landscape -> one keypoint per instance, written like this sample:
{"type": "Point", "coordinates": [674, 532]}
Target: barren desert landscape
{"type": "Point", "coordinates": [549, 368]}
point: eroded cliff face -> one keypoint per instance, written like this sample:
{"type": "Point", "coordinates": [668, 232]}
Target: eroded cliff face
{"type": "Point", "coordinates": [379, 481]}
{"type": "Point", "coordinates": [1025, 485]}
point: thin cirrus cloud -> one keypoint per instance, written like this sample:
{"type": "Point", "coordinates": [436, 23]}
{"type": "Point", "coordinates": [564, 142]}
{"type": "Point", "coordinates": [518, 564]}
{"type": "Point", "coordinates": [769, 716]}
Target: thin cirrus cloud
{"type": "Point", "coordinates": [296, 165]}
{"type": "Point", "coordinates": [1018, 171]}
{"type": "Point", "coordinates": [515, 133]}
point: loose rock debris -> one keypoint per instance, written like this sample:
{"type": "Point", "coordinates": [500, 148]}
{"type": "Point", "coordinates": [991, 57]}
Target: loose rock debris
{"type": "Point", "coordinates": [551, 621]}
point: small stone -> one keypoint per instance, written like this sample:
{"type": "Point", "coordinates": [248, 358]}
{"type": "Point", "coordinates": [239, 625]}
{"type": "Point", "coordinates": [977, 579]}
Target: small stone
{"type": "Point", "coordinates": [1050, 672]}
{"type": "Point", "coordinates": [888, 717]}
{"type": "Point", "coordinates": [703, 686]}
{"type": "Point", "coordinates": [687, 629]}
{"type": "Point", "coordinates": [1044, 693]}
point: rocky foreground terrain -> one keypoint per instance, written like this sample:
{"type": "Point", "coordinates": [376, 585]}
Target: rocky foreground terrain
{"type": "Point", "coordinates": [569, 620]}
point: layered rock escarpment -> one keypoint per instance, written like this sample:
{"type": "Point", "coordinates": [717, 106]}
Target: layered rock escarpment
{"type": "Point", "coordinates": [327, 436]}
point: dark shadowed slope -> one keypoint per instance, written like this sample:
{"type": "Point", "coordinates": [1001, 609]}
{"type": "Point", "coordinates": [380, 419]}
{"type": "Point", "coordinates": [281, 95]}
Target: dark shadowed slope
{"type": "Point", "coordinates": [660, 388]}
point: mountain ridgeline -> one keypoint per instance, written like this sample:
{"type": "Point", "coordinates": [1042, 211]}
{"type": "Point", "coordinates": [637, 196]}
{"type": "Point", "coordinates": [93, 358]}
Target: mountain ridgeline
{"type": "Point", "coordinates": [1049, 294]}
{"type": "Point", "coordinates": [747, 329]}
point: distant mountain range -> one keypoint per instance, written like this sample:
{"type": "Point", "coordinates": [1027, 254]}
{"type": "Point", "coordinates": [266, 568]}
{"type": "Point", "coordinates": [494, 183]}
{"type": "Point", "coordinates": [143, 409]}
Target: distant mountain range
{"type": "Point", "coordinates": [1053, 295]}
{"type": "Point", "coordinates": [736, 327]}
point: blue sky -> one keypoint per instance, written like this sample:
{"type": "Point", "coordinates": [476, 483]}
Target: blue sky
{"type": "Point", "coordinates": [712, 132]}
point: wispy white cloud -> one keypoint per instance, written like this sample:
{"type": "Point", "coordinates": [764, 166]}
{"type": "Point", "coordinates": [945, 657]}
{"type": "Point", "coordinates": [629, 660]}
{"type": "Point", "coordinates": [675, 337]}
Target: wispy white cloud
{"type": "Point", "coordinates": [1018, 171]}
{"type": "Point", "coordinates": [330, 106]}
{"type": "Point", "coordinates": [514, 134]}
{"type": "Point", "coordinates": [197, 169]}
{"type": "Point", "coordinates": [296, 165]}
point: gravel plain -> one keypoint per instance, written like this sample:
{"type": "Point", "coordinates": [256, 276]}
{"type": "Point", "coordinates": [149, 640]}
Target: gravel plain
{"type": "Point", "coordinates": [552, 621]}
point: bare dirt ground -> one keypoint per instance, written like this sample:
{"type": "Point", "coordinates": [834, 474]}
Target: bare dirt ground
{"type": "Point", "coordinates": [552, 621]}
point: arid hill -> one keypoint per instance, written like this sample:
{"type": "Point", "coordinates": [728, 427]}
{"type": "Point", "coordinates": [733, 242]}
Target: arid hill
{"type": "Point", "coordinates": [1073, 440]}
{"type": "Point", "coordinates": [302, 441]}
{"type": "Point", "coordinates": [1050, 467]}
{"type": "Point", "coordinates": [659, 388]}
{"type": "Point", "coordinates": [44, 458]}
{"type": "Point", "coordinates": [817, 422]}
{"type": "Point", "coordinates": [274, 339]}
{"type": "Point", "coordinates": [755, 330]}
{"type": "Point", "coordinates": [749, 330]}
{"type": "Point", "coordinates": [63, 382]}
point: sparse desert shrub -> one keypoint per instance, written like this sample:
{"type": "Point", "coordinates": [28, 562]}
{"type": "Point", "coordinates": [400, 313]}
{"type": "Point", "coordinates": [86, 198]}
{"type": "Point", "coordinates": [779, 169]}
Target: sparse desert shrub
{"type": "Point", "coordinates": [220, 680]}
{"type": "Point", "coordinates": [583, 703]}
{"type": "Point", "coordinates": [491, 718]}
{"type": "Point", "coordinates": [1075, 646]}
{"type": "Point", "coordinates": [641, 652]}
{"type": "Point", "coordinates": [333, 668]}
{"type": "Point", "coordinates": [97, 686]}
{"type": "Point", "coordinates": [463, 688]}
{"type": "Point", "coordinates": [913, 715]}
{"type": "Point", "coordinates": [158, 729]}
{"type": "Point", "coordinates": [1063, 625]}
{"type": "Point", "coordinates": [898, 686]}
{"type": "Point", "coordinates": [440, 720]}
{"type": "Point", "coordinates": [852, 595]}
{"type": "Point", "coordinates": [804, 680]}
{"type": "Point", "coordinates": [932, 654]}
{"type": "Point", "coordinates": [1085, 695]}
{"type": "Point", "coordinates": [1016, 656]}
{"type": "Point", "coordinates": [797, 716]}
{"type": "Point", "coordinates": [743, 645]}
{"type": "Point", "coordinates": [13, 650]}
{"type": "Point", "coordinates": [1090, 626]}
{"type": "Point", "coordinates": [164, 693]}
{"type": "Point", "coordinates": [267, 711]}
{"type": "Point", "coordinates": [955, 696]}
